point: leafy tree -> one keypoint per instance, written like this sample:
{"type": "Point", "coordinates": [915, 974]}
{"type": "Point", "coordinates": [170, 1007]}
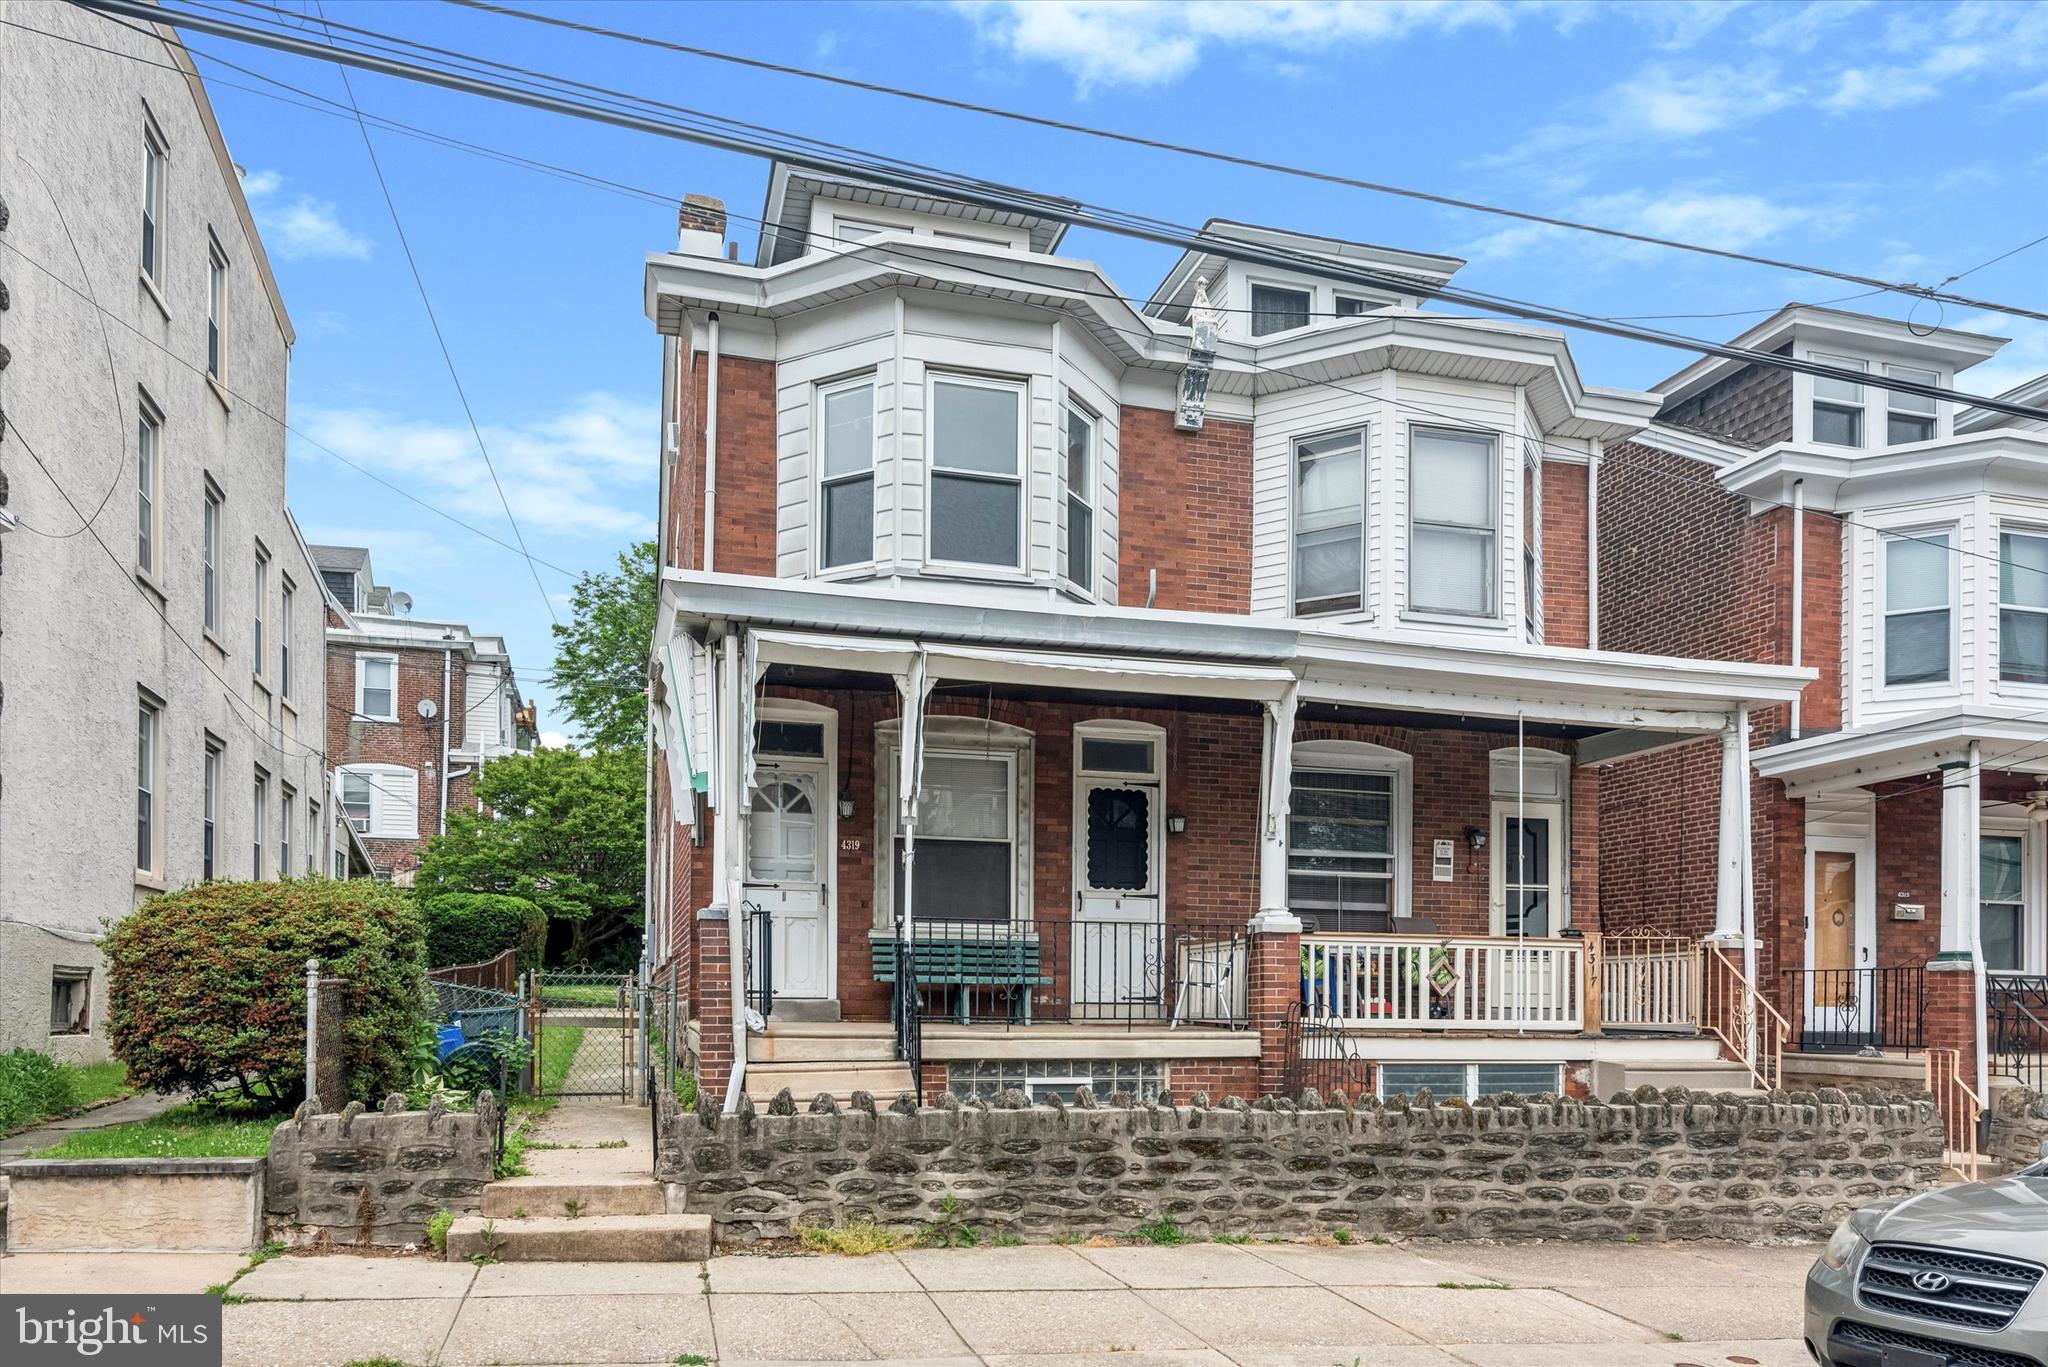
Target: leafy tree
{"type": "Point", "coordinates": [601, 655]}
{"type": "Point", "coordinates": [562, 829]}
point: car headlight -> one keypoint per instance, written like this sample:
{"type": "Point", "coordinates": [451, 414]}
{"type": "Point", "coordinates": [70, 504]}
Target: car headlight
{"type": "Point", "coordinates": [1842, 1246]}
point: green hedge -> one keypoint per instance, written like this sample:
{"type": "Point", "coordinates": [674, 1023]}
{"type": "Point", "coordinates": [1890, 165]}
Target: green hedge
{"type": "Point", "coordinates": [207, 986]}
{"type": "Point", "coordinates": [469, 927]}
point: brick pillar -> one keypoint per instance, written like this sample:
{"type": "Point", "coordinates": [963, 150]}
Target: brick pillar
{"type": "Point", "coordinates": [1952, 1008]}
{"type": "Point", "coordinates": [1274, 992]}
{"type": "Point", "coordinates": [715, 1034]}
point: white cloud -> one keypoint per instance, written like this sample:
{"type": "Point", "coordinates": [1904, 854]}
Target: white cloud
{"type": "Point", "coordinates": [299, 227]}
{"type": "Point", "coordinates": [1727, 220]}
{"type": "Point", "coordinates": [568, 472]}
{"type": "Point", "coordinates": [1801, 29]}
{"type": "Point", "coordinates": [553, 740]}
{"type": "Point", "coordinates": [1154, 42]}
{"type": "Point", "coordinates": [2023, 358]}
{"type": "Point", "coordinates": [398, 554]}
{"type": "Point", "coordinates": [1939, 46]}
{"type": "Point", "coordinates": [1665, 102]}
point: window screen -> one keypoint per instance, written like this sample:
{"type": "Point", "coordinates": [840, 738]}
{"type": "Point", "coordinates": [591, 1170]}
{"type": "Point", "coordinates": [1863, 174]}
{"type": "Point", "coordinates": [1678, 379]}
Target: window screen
{"type": "Point", "coordinates": [1916, 620]}
{"type": "Point", "coordinates": [964, 867]}
{"type": "Point", "coordinates": [1340, 850]}
{"type": "Point", "coordinates": [2023, 608]}
{"type": "Point", "coordinates": [1329, 523]}
{"type": "Point", "coordinates": [976, 484]}
{"type": "Point", "coordinates": [1277, 310]}
{"type": "Point", "coordinates": [1452, 510]}
{"type": "Point", "coordinates": [848, 475]}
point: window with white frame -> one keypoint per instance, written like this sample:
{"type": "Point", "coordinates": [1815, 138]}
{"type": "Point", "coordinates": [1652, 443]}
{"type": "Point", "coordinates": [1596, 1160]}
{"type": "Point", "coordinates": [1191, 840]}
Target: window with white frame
{"type": "Point", "coordinates": [2023, 607]}
{"type": "Point", "coordinates": [1453, 522]}
{"type": "Point", "coordinates": [156, 179]}
{"type": "Point", "coordinates": [288, 815]}
{"type": "Point", "coordinates": [209, 557]}
{"type": "Point", "coordinates": [148, 474]}
{"type": "Point", "coordinates": [1276, 309]}
{"type": "Point", "coordinates": [2001, 901]}
{"type": "Point", "coordinates": [1532, 565]}
{"type": "Point", "coordinates": [1351, 306]}
{"type": "Point", "coordinates": [851, 230]}
{"type": "Point", "coordinates": [1347, 826]}
{"type": "Point", "coordinates": [977, 477]}
{"type": "Point", "coordinates": [1080, 549]}
{"type": "Point", "coordinates": [966, 829]}
{"type": "Point", "coordinates": [216, 311]}
{"type": "Point", "coordinates": [382, 801]}
{"type": "Point", "coordinates": [259, 813]}
{"type": "Point", "coordinates": [377, 687]}
{"type": "Point", "coordinates": [261, 656]}
{"type": "Point", "coordinates": [210, 809]}
{"type": "Point", "coordinates": [1838, 404]}
{"type": "Point", "coordinates": [1917, 572]}
{"type": "Point", "coordinates": [70, 1000]}
{"type": "Point", "coordinates": [284, 636]}
{"type": "Point", "coordinates": [312, 837]}
{"type": "Point", "coordinates": [1909, 417]}
{"type": "Point", "coordinates": [148, 780]}
{"type": "Point", "coordinates": [1471, 1081]}
{"type": "Point", "coordinates": [1329, 522]}
{"type": "Point", "coordinates": [846, 472]}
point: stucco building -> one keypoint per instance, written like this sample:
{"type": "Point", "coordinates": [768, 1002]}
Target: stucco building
{"type": "Point", "coordinates": [162, 719]}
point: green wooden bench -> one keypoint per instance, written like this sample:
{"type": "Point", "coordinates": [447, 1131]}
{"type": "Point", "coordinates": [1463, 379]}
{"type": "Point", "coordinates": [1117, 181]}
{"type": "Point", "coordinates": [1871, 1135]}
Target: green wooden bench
{"type": "Point", "coordinates": [943, 962]}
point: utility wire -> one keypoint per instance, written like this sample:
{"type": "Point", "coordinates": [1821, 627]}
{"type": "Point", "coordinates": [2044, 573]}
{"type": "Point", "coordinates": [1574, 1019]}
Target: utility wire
{"type": "Point", "coordinates": [1028, 203]}
{"type": "Point", "coordinates": [1254, 163]}
{"type": "Point", "coordinates": [433, 320]}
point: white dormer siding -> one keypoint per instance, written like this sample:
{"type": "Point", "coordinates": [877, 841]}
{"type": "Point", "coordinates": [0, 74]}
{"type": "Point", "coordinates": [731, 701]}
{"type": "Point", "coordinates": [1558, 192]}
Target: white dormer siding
{"type": "Point", "coordinates": [836, 224]}
{"type": "Point", "coordinates": [905, 345]}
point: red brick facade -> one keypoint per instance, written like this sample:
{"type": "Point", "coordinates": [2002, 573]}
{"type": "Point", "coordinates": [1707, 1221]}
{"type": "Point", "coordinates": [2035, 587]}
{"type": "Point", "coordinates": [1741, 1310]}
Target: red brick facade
{"type": "Point", "coordinates": [1184, 509]}
{"type": "Point", "coordinates": [1566, 574]}
{"type": "Point", "coordinates": [745, 543]}
{"type": "Point", "coordinates": [412, 741]}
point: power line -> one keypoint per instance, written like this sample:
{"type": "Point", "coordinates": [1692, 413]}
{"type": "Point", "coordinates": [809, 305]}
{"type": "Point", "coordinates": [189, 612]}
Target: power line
{"type": "Point", "coordinates": [434, 321]}
{"type": "Point", "coordinates": [1254, 163]}
{"type": "Point", "coordinates": [1032, 204]}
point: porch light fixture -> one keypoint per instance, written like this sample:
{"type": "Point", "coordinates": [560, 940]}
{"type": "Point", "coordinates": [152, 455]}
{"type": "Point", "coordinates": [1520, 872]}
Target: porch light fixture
{"type": "Point", "coordinates": [1176, 823]}
{"type": "Point", "coordinates": [845, 804]}
{"type": "Point", "coordinates": [1475, 837]}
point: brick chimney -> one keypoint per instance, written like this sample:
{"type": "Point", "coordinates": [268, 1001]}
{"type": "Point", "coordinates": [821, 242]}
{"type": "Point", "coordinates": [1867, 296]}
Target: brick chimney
{"type": "Point", "coordinates": [700, 226]}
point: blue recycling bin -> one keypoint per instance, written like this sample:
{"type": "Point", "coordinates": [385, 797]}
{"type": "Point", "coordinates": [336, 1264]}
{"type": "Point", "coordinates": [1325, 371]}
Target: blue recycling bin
{"type": "Point", "coordinates": [447, 1039]}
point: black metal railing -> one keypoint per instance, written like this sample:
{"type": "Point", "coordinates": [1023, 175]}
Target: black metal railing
{"type": "Point", "coordinates": [1031, 972]}
{"type": "Point", "coordinates": [1324, 1055]}
{"type": "Point", "coordinates": [757, 956]}
{"type": "Point", "coordinates": [1849, 1010]}
{"type": "Point", "coordinates": [906, 1011]}
{"type": "Point", "coordinates": [2016, 1028]}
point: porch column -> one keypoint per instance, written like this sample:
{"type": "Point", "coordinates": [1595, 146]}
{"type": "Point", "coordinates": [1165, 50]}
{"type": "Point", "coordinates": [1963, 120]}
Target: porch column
{"type": "Point", "coordinates": [1731, 881]}
{"type": "Point", "coordinates": [1962, 796]}
{"type": "Point", "coordinates": [1277, 780]}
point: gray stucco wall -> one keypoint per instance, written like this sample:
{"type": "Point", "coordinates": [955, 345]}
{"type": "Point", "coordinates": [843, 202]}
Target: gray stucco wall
{"type": "Point", "coordinates": [81, 642]}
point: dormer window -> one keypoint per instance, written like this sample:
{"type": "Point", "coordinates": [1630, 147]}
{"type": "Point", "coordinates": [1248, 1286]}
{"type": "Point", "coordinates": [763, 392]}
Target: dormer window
{"type": "Point", "coordinates": [1350, 306]}
{"type": "Point", "coordinates": [1453, 522]}
{"type": "Point", "coordinates": [848, 230]}
{"type": "Point", "coordinates": [1838, 404]}
{"type": "Point", "coordinates": [1916, 608]}
{"type": "Point", "coordinates": [1278, 310]}
{"type": "Point", "coordinates": [1909, 417]}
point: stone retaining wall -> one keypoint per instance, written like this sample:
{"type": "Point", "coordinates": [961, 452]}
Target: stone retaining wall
{"type": "Point", "coordinates": [131, 1205]}
{"type": "Point", "coordinates": [1664, 1165]}
{"type": "Point", "coordinates": [377, 1177]}
{"type": "Point", "coordinates": [2019, 1126]}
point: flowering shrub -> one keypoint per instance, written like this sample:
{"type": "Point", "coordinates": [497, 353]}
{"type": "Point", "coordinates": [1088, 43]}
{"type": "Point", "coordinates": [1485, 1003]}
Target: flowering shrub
{"type": "Point", "coordinates": [207, 986]}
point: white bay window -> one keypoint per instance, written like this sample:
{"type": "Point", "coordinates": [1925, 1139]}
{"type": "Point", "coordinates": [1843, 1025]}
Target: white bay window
{"type": "Point", "coordinates": [977, 479]}
{"type": "Point", "coordinates": [1080, 453]}
{"type": "Point", "coordinates": [1453, 522]}
{"type": "Point", "coordinates": [1329, 523]}
{"type": "Point", "coordinates": [2023, 607]}
{"type": "Point", "coordinates": [1917, 619]}
{"type": "Point", "coordinates": [846, 468]}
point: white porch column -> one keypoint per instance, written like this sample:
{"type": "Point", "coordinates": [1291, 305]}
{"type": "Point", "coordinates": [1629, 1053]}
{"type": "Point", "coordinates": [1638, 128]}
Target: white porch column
{"type": "Point", "coordinates": [1731, 883]}
{"type": "Point", "coordinates": [1277, 781]}
{"type": "Point", "coordinates": [1962, 810]}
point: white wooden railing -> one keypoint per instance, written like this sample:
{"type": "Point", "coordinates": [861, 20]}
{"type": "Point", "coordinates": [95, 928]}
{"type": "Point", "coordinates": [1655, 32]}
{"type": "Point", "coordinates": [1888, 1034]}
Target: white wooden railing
{"type": "Point", "coordinates": [1396, 982]}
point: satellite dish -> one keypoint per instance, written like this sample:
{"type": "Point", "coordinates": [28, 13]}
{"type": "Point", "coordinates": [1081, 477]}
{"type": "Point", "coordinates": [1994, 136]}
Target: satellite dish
{"type": "Point", "coordinates": [428, 707]}
{"type": "Point", "coordinates": [403, 602]}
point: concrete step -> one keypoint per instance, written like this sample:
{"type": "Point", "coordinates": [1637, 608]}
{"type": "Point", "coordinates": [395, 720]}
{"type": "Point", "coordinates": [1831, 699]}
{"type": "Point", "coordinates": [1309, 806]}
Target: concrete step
{"type": "Point", "coordinates": [829, 1043]}
{"type": "Point", "coordinates": [522, 1197]}
{"type": "Point", "coordinates": [884, 1079]}
{"type": "Point", "coordinates": [590, 1239]}
{"type": "Point", "coordinates": [1699, 1075]}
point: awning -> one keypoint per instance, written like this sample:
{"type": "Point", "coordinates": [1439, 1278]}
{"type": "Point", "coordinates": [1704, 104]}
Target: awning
{"type": "Point", "coordinates": [1915, 745]}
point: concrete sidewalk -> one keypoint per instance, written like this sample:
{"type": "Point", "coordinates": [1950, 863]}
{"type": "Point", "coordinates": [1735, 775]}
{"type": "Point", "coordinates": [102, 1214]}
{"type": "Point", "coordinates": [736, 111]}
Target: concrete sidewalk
{"type": "Point", "coordinates": [1200, 1305]}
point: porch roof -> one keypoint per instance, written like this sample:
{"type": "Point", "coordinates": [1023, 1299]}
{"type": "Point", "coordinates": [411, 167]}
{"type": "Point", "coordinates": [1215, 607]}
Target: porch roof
{"type": "Point", "coordinates": [2011, 740]}
{"type": "Point", "coordinates": [994, 634]}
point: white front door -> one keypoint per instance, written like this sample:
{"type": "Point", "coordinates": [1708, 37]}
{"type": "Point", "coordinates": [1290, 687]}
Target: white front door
{"type": "Point", "coordinates": [1119, 918]}
{"type": "Point", "coordinates": [786, 875]}
{"type": "Point", "coordinates": [1841, 916]}
{"type": "Point", "coordinates": [1528, 902]}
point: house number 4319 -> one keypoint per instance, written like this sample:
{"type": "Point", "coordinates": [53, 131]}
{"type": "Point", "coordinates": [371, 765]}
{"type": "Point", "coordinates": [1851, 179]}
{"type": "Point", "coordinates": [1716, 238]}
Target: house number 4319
{"type": "Point", "coordinates": [852, 844]}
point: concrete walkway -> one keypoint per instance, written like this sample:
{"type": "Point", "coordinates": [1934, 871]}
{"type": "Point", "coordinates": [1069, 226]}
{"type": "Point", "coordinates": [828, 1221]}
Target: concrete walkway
{"type": "Point", "coordinates": [128, 1108]}
{"type": "Point", "coordinates": [1202, 1305]}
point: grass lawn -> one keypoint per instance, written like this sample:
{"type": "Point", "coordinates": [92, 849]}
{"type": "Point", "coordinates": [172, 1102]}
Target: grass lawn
{"type": "Point", "coordinates": [585, 994]}
{"type": "Point", "coordinates": [35, 1088]}
{"type": "Point", "coordinates": [92, 1082]}
{"type": "Point", "coordinates": [181, 1132]}
{"type": "Point", "coordinates": [558, 1045]}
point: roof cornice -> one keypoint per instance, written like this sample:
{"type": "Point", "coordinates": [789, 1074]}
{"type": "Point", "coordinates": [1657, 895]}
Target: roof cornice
{"type": "Point", "coordinates": [1839, 480]}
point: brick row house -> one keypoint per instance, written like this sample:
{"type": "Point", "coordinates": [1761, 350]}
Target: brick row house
{"type": "Point", "coordinates": [1899, 549]}
{"type": "Point", "coordinates": [1049, 691]}
{"type": "Point", "coordinates": [415, 709]}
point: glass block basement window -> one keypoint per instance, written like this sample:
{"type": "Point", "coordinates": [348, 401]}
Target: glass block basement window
{"type": "Point", "coordinates": [1040, 1079]}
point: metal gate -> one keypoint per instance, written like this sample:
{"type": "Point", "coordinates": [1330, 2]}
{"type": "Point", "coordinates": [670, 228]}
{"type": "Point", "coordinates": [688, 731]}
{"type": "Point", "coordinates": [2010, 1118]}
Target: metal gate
{"type": "Point", "coordinates": [588, 1034]}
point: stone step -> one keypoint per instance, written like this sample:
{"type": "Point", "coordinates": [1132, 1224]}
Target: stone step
{"type": "Point", "coordinates": [1699, 1075]}
{"type": "Point", "coordinates": [818, 1045]}
{"type": "Point", "coordinates": [589, 1239]}
{"type": "Point", "coordinates": [520, 1197]}
{"type": "Point", "coordinates": [884, 1080]}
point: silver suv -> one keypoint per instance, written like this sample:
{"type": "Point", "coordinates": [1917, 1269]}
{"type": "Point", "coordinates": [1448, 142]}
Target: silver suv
{"type": "Point", "coordinates": [1951, 1278]}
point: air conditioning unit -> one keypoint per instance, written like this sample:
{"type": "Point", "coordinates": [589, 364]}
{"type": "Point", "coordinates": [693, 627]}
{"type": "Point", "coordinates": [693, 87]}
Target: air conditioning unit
{"type": "Point", "coordinates": [359, 824]}
{"type": "Point", "coordinates": [672, 438]}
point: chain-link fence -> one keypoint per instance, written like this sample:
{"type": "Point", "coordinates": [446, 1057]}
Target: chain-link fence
{"type": "Point", "coordinates": [587, 1033]}
{"type": "Point", "coordinates": [481, 1036]}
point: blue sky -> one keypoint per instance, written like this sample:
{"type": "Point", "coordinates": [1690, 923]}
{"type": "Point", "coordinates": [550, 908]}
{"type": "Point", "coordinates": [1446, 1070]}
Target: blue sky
{"type": "Point", "coordinates": [1900, 140]}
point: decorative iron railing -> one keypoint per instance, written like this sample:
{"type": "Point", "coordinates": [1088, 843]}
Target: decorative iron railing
{"type": "Point", "coordinates": [1647, 981]}
{"type": "Point", "coordinates": [1323, 1054]}
{"type": "Point", "coordinates": [1852, 1010]}
{"type": "Point", "coordinates": [1752, 1031]}
{"type": "Point", "coordinates": [1396, 982]}
{"type": "Point", "coordinates": [2016, 1027]}
{"type": "Point", "coordinates": [757, 955]}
